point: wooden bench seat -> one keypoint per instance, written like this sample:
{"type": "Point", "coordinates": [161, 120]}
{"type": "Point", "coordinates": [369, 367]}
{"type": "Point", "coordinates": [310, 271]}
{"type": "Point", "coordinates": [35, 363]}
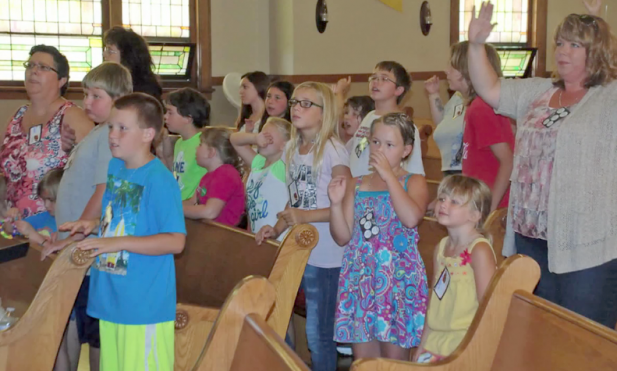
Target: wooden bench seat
{"type": "Point", "coordinates": [477, 350]}
{"type": "Point", "coordinates": [537, 336]}
{"type": "Point", "coordinates": [241, 340]}
{"type": "Point", "coordinates": [43, 294]}
{"type": "Point", "coordinates": [215, 259]}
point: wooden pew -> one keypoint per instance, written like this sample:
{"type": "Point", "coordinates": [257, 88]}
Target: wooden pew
{"type": "Point", "coordinates": [241, 339]}
{"type": "Point", "coordinates": [43, 294]}
{"type": "Point", "coordinates": [537, 336]}
{"type": "Point", "coordinates": [477, 350]}
{"type": "Point", "coordinates": [215, 259]}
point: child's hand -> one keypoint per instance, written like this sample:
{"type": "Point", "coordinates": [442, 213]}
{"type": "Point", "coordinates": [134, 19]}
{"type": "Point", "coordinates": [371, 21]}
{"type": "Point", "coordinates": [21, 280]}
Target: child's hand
{"type": "Point", "coordinates": [432, 85]}
{"type": "Point", "coordinates": [292, 216]}
{"type": "Point", "coordinates": [13, 213]}
{"type": "Point", "coordinates": [380, 163]}
{"type": "Point", "coordinates": [81, 226]}
{"type": "Point", "coordinates": [342, 86]}
{"type": "Point", "coordinates": [264, 233]}
{"type": "Point", "coordinates": [336, 189]}
{"type": "Point", "coordinates": [52, 247]}
{"type": "Point", "coordinates": [100, 245]}
{"type": "Point", "coordinates": [67, 137]}
{"type": "Point", "coordinates": [593, 6]}
{"type": "Point", "coordinates": [264, 139]}
{"type": "Point", "coordinates": [24, 228]}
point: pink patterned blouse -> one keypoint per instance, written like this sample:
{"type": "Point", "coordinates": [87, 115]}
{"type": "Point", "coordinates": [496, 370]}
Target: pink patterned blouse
{"type": "Point", "coordinates": [24, 160]}
{"type": "Point", "coordinates": [532, 170]}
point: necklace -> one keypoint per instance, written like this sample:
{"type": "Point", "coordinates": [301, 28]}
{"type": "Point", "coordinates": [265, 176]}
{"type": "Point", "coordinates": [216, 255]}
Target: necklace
{"type": "Point", "coordinates": [578, 100]}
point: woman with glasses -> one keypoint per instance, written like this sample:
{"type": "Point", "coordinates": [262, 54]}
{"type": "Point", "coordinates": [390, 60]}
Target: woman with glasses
{"type": "Point", "coordinates": [563, 212]}
{"type": "Point", "coordinates": [131, 50]}
{"type": "Point", "coordinates": [32, 145]}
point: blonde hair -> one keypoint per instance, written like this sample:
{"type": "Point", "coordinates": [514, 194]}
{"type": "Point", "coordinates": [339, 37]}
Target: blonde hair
{"type": "Point", "coordinates": [594, 34]}
{"type": "Point", "coordinates": [472, 192]}
{"type": "Point", "coordinates": [113, 78]}
{"type": "Point", "coordinates": [217, 137]}
{"type": "Point", "coordinates": [282, 125]}
{"type": "Point", "coordinates": [50, 183]}
{"type": "Point", "coordinates": [329, 123]}
{"type": "Point", "coordinates": [400, 121]}
{"type": "Point", "coordinates": [458, 60]}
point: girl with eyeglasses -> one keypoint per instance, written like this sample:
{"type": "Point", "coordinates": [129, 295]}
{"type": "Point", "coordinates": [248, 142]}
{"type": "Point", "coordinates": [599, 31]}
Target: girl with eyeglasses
{"type": "Point", "coordinates": [314, 155]}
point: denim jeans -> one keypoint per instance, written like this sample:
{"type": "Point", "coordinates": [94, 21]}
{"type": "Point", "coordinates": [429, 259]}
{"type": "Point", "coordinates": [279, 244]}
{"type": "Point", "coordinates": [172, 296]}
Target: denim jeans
{"type": "Point", "coordinates": [320, 289]}
{"type": "Point", "coordinates": [590, 292]}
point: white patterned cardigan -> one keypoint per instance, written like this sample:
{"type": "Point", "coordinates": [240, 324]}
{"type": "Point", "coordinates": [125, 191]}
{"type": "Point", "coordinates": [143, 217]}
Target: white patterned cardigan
{"type": "Point", "coordinates": [582, 206]}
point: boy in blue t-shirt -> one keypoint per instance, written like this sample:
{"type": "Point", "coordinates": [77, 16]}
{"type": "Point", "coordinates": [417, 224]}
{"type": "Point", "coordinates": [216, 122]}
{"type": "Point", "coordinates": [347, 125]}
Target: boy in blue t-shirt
{"type": "Point", "coordinates": [39, 228]}
{"type": "Point", "coordinates": [133, 280]}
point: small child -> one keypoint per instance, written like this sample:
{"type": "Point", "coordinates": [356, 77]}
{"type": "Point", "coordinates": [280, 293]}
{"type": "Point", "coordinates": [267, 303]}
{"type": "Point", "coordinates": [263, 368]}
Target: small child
{"type": "Point", "coordinates": [388, 86]}
{"type": "Point", "coordinates": [39, 228]}
{"type": "Point", "coordinates": [220, 194]}
{"type": "Point", "coordinates": [314, 155]}
{"type": "Point", "coordinates": [464, 265]}
{"type": "Point", "coordinates": [376, 216]}
{"type": "Point", "coordinates": [266, 181]}
{"type": "Point", "coordinates": [133, 280]}
{"type": "Point", "coordinates": [355, 110]}
{"type": "Point", "coordinates": [188, 111]}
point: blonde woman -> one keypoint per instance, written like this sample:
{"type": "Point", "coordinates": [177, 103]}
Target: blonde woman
{"type": "Point", "coordinates": [563, 211]}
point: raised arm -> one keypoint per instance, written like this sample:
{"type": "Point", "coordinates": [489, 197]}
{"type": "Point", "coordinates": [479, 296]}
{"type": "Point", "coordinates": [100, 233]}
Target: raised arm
{"type": "Point", "coordinates": [483, 78]}
{"type": "Point", "coordinates": [242, 142]}
{"type": "Point", "coordinates": [341, 191]}
{"type": "Point", "coordinates": [434, 99]}
{"type": "Point", "coordinates": [593, 7]}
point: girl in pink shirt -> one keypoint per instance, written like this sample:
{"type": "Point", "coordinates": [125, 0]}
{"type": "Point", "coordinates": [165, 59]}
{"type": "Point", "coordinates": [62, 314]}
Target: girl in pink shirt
{"type": "Point", "coordinates": [220, 194]}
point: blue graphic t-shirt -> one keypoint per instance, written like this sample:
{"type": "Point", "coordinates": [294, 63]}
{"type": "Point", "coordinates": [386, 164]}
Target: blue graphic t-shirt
{"type": "Point", "coordinates": [43, 223]}
{"type": "Point", "coordinates": [126, 287]}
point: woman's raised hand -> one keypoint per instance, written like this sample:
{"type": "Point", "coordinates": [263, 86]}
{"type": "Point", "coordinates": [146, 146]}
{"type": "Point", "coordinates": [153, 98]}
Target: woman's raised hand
{"type": "Point", "coordinates": [432, 85]}
{"type": "Point", "coordinates": [481, 27]}
{"type": "Point", "coordinates": [593, 6]}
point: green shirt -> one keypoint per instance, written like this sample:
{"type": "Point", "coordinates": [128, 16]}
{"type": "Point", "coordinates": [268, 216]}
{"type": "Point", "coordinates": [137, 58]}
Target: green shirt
{"type": "Point", "coordinates": [186, 171]}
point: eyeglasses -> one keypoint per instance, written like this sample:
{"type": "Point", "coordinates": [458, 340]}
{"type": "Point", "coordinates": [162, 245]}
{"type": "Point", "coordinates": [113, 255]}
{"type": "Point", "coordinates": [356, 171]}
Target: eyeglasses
{"type": "Point", "coordinates": [41, 67]}
{"type": "Point", "coordinates": [588, 20]}
{"type": "Point", "coordinates": [381, 79]}
{"type": "Point", "coordinates": [108, 50]}
{"type": "Point", "coordinates": [302, 103]}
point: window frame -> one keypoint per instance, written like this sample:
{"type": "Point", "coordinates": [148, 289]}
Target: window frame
{"type": "Point", "coordinates": [536, 31]}
{"type": "Point", "coordinates": [201, 71]}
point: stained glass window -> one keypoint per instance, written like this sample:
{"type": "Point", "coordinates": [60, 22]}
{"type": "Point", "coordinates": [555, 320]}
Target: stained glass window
{"type": "Point", "coordinates": [73, 26]}
{"type": "Point", "coordinates": [514, 63]}
{"type": "Point", "coordinates": [511, 17]}
{"type": "Point", "coordinates": [170, 60]}
{"type": "Point", "coordinates": [157, 18]}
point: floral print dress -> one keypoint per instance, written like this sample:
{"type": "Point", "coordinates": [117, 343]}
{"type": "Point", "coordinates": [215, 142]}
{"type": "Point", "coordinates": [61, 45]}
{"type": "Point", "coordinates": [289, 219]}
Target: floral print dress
{"type": "Point", "coordinates": [383, 292]}
{"type": "Point", "coordinates": [26, 160]}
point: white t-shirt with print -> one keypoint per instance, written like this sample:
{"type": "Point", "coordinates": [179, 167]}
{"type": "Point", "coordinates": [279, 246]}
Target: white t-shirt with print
{"type": "Point", "coordinates": [449, 133]}
{"type": "Point", "coordinates": [264, 190]}
{"type": "Point", "coordinates": [359, 155]}
{"type": "Point", "coordinates": [309, 191]}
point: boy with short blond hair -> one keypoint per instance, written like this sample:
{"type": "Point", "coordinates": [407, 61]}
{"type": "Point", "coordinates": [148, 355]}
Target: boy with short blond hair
{"type": "Point", "coordinates": [388, 86]}
{"type": "Point", "coordinates": [133, 280]}
{"type": "Point", "coordinates": [79, 197]}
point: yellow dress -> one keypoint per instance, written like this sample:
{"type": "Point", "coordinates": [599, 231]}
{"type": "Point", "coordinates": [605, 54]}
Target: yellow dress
{"type": "Point", "coordinates": [449, 317]}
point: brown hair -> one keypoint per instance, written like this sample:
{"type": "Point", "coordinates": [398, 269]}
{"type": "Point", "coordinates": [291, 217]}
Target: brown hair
{"type": "Point", "coordinates": [458, 60]}
{"type": "Point", "coordinates": [217, 137]}
{"type": "Point", "coordinates": [50, 183]}
{"type": "Point", "coordinates": [473, 192]}
{"type": "Point", "coordinates": [594, 34]}
{"type": "Point", "coordinates": [400, 74]}
{"type": "Point", "coordinates": [149, 110]}
{"type": "Point", "coordinates": [400, 121]}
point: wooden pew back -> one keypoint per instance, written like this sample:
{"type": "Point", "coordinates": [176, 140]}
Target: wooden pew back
{"type": "Point", "coordinates": [241, 339]}
{"type": "Point", "coordinates": [261, 349]}
{"type": "Point", "coordinates": [32, 343]}
{"type": "Point", "coordinates": [540, 335]}
{"type": "Point", "coordinates": [215, 258]}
